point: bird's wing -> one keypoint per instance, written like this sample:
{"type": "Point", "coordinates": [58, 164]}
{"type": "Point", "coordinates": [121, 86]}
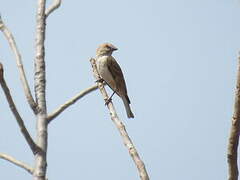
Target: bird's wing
{"type": "Point", "coordinates": [117, 75]}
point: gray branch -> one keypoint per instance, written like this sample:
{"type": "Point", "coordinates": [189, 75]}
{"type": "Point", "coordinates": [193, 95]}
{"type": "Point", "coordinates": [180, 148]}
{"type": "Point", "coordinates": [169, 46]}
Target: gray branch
{"type": "Point", "coordinates": [16, 162]}
{"type": "Point", "coordinates": [7, 33]}
{"type": "Point", "coordinates": [70, 102]}
{"type": "Point", "coordinates": [121, 128]}
{"type": "Point", "coordinates": [15, 112]}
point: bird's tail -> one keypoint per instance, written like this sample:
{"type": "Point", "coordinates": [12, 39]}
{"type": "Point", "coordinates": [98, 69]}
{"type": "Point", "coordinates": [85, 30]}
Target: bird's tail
{"type": "Point", "coordinates": [126, 102]}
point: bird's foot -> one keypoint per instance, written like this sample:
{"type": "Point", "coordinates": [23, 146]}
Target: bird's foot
{"type": "Point", "coordinates": [100, 80]}
{"type": "Point", "coordinates": [108, 101]}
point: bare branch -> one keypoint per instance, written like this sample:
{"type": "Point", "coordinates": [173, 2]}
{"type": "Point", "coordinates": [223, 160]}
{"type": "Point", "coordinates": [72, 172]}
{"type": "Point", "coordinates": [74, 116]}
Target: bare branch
{"type": "Point", "coordinates": [54, 6]}
{"type": "Point", "coordinates": [70, 102]}
{"type": "Point", "coordinates": [16, 162]}
{"type": "Point", "coordinates": [17, 54]}
{"type": "Point", "coordinates": [14, 110]}
{"type": "Point", "coordinates": [121, 128]}
{"type": "Point", "coordinates": [234, 134]}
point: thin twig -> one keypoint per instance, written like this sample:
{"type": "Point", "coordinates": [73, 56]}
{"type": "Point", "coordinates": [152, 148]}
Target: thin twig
{"type": "Point", "coordinates": [54, 6]}
{"type": "Point", "coordinates": [121, 128]}
{"type": "Point", "coordinates": [14, 110]}
{"type": "Point", "coordinates": [234, 134]}
{"type": "Point", "coordinates": [16, 162]}
{"type": "Point", "coordinates": [17, 54]}
{"type": "Point", "coordinates": [70, 102]}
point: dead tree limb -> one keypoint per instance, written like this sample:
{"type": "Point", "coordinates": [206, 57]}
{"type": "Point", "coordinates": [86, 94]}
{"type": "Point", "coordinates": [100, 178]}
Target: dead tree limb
{"type": "Point", "coordinates": [15, 112]}
{"type": "Point", "coordinates": [7, 33]}
{"type": "Point", "coordinates": [70, 102]}
{"type": "Point", "coordinates": [16, 162]}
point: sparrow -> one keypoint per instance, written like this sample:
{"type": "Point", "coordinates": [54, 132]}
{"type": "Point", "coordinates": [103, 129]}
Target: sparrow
{"type": "Point", "coordinates": [111, 73]}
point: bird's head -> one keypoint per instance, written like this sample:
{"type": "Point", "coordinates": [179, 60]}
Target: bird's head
{"type": "Point", "coordinates": [105, 49]}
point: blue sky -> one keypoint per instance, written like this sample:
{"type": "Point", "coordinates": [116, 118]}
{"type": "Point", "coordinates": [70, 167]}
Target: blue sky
{"type": "Point", "coordinates": [179, 59]}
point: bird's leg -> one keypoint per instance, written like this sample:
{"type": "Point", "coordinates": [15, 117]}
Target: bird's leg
{"type": "Point", "coordinates": [100, 80]}
{"type": "Point", "coordinates": [110, 99]}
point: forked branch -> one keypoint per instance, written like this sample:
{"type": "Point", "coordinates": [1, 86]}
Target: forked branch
{"type": "Point", "coordinates": [121, 128]}
{"type": "Point", "coordinates": [53, 6]}
{"type": "Point", "coordinates": [7, 33]}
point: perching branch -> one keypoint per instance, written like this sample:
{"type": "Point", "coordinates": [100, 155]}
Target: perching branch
{"type": "Point", "coordinates": [14, 110]}
{"type": "Point", "coordinates": [17, 54]}
{"type": "Point", "coordinates": [70, 102]}
{"type": "Point", "coordinates": [16, 162]}
{"type": "Point", "coordinates": [54, 6]}
{"type": "Point", "coordinates": [121, 128]}
{"type": "Point", "coordinates": [234, 134]}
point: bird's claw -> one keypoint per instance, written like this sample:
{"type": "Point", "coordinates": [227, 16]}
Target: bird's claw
{"type": "Point", "coordinates": [101, 80]}
{"type": "Point", "coordinates": [108, 101]}
{"type": "Point", "coordinates": [37, 150]}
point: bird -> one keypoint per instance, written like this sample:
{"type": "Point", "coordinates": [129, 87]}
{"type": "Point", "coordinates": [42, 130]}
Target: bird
{"type": "Point", "coordinates": [110, 72]}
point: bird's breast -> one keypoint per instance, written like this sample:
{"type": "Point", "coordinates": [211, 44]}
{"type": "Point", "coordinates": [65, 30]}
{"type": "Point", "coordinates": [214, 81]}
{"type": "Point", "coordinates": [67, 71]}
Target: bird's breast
{"type": "Point", "coordinates": [104, 72]}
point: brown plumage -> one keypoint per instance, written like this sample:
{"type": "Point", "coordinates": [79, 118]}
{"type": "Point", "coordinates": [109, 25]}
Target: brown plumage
{"type": "Point", "coordinates": [111, 72]}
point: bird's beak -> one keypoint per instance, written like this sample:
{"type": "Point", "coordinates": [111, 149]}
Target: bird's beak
{"type": "Point", "coordinates": [114, 48]}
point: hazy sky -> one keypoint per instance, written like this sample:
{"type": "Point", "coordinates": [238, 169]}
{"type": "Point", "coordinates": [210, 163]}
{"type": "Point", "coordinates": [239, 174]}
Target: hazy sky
{"type": "Point", "coordinates": [179, 58]}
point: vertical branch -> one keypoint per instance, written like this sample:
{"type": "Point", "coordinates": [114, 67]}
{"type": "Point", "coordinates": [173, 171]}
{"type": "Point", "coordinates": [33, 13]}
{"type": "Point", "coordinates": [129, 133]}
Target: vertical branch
{"type": "Point", "coordinates": [234, 133]}
{"type": "Point", "coordinates": [40, 86]}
